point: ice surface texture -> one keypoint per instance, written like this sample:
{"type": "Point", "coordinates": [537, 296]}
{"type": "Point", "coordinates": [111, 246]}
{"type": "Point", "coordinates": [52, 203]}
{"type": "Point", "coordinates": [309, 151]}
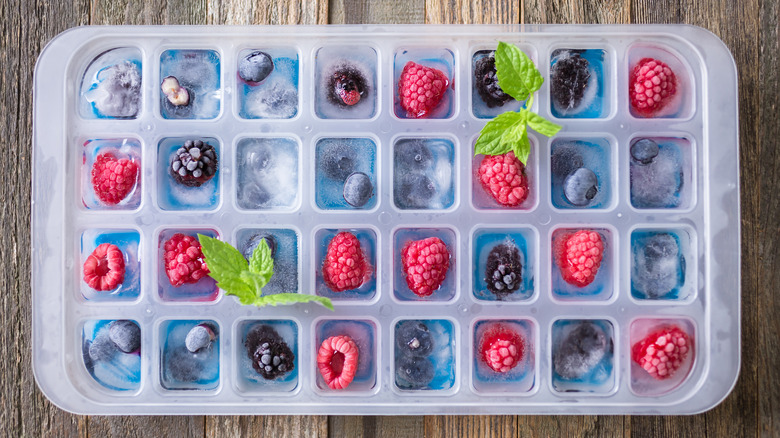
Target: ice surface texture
{"type": "Point", "coordinates": [111, 86]}
{"type": "Point", "coordinates": [199, 72]}
{"type": "Point", "coordinates": [276, 96]}
{"type": "Point", "coordinates": [182, 369]}
{"type": "Point", "coordinates": [582, 355]}
{"type": "Point", "coordinates": [658, 183]}
{"type": "Point", "coordinates": [657, 265]}
{"type": "Point", "coordinates": [424, 173]}
{"type": "Point", "coordinates": [267, 173]}
{"type": "Point", "coordinates": [105, 360]}
{"type": "Point", "coordinates": [339, 160]}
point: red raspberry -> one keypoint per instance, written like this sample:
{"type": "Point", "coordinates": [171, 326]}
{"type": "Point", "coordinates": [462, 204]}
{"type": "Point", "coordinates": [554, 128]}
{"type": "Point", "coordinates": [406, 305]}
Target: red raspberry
{"type": "Point", "coordinates": [350, 97]}
{"type": "Point", "coordinates": [580, 257]}
{"type": "Point", "coordinates": [653, 84]}
{"type": "Point", "coordinates": [501, 348]}
{"type": "Point", "coordinates": [345, 264]}
{"type": "Point", "coordinates": [104, 269]}
{"type": "Point", "coordinates": [662, 352]}
{"type": "Point", "coordinates": [184, 260]}
{"type": "Point", "coordinates": [421, 89]}
{"type": "Point", "coordinates": [503, 176]}
{"type": "Point", "coordinates": [337, 360]}
{"type": "Point", "coordinates": [425, 264]}
{"type": "Point", "coordinates": [112, 178]}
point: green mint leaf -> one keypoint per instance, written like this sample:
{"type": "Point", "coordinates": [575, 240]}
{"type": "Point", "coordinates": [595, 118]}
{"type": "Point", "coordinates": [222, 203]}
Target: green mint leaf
{"type": "Point", "coordinates": [496, 137]}
{"type": "Point", "coordinates": [225, 263]}
{"type": "Point", "coordinates": [277, 299]}
{"type": "Point", "coordinates": [542, 125]}
{"type": "Point", "coordinates": [261, 261]}
{"type": "Point", "coordinates": [522, 147]}
{"type": "Point", "coordinates": [257, 281]}
{"type": "Point", "coordinates": [237, 287]}
{"type": "Point", "coordinates": [517, 74]}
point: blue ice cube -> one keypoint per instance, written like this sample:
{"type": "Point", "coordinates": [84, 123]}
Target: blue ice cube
{"type": "Point", "coordinates": [172, 195]}
{"type": "Point", "coordinates": [268, 173]}
{"type": "Point", "coordinates": [128, 242]}
{"type": "Point", "coordinates": [198, 71]}
{"type": "Point", "coordinates": [568, 186]}
{"type": "Point", "coordinates": [363, 333]}
{"type": "Point", "coordinates": [522, 377]}
{"type": "Point", "coordinates": [276, 96]}
{"type": "Point", "coordinates": [106, 362]}
{"type": "Point", "coordinates": [252, 381]}
{"type": "Point", "coordinates": [571, 66]}
{"type": "Point", "coordinates": [204, 290]}
{"type": "Point", "coordinates": [583, 356]}
{"type": "Point", "coordinates": [336, 160]}
{"type": "Point", "coordinates": [424, 173]}
{"type": "Point", "coordinates": [657, 264]}
{"type": "Point", "coordinates": [660, 183]}
{"type": "Point", "coordinates": [485, 241]}
{"type": "Point", "coordinates": [112, 85]}
{"type": "Point", "coordinates": [344, 71]}
{"type": "Point", "coordinates": [368, 244]}
{"type": "Point", "coordinates": [434, 370]}
{"type": "Point", "coordinates": [448, 288]}
{"type": "Point", "coordinates": [285, 255]}
{"type": "Point", "coordinates": [182, 369]}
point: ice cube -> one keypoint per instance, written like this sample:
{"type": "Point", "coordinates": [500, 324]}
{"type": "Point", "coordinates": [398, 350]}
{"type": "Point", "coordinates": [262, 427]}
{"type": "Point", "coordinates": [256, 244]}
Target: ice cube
{"type": "Point", "coordinates": [658, 183]}
{"type": "Point", "coordinates": [118, 91]}
{"type": "Point", "coordinates": [346, 82]}
{"type": "Point", "coordinates": [183, 369]}
{"type": "Point", "coordinates": [267, 173]}
{"type": "Point", "coordinates": [276, 99]}
{"type": "Point", "coordinates": [105, 359]}
{"type": "Point", "coordinates": [658, 266]}
{"type": "Point", "coordinates": [197, 71]}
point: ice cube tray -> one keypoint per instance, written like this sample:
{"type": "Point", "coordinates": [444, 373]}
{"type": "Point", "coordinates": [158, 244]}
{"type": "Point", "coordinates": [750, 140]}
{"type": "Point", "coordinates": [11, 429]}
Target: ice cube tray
{"type": "Point", "coordinates": [68, 222]}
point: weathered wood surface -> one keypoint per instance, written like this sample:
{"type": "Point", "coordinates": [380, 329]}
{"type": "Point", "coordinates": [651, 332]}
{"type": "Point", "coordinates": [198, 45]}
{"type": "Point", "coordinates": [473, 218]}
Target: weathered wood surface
{"type": "Point", "coordinates": [749, 28]}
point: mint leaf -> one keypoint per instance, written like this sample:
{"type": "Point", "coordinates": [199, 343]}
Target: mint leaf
{"type": "Point", "coordinates": [497, 135]}
{"type": "Point", "coordinates": [542, 125]}
{"type": "Point", "coordinates": [237, 287]}
{"type": "Point", "coordinates": [517, 74]}
{"type": "Point", "coordinates": [261, 261]}
{"type": "Point", "coordinates": [224, 262]}
{"type": "Point", "coordinates": [277, 299]}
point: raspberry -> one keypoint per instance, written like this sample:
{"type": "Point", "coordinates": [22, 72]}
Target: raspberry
{"type": "Point", "coordinates": [662, 352]}
{"type": "Point", "coordinates": [113, 178]}
{"type": "Point", "coordinates": [104, 269]}
{"type": "Point", "coordinates": [503, 176]}
{"type": "Point", "coordinates": [425, 264]}
{"type": "Point", "coordinates": [337, 360]}
{"type": "Point", "coordinates": [184, 260]}
{"type": "Point", "coordinates": [421, 89]}
{"type": "Point", "coordinates": [580, 257]}
{"type": "Point", "coordinates": [345, 264]}
{"type": "Point", "coordinates": [653, 84]}
{"type": "Point", "coordinates": [501, 348]}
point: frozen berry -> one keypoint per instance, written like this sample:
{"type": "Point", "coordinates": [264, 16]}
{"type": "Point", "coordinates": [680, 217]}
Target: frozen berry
{"type": "Point", "coordinates": [194, 163]}
{"type": "Point", "coordinates": [183, 259]}
{"type": "Point", "coordinates": [658, 266]}
{"type": "Point", "coordinates": [413, 338]}
{"type": "Point", "coordinates": [412, 154]}
{"type": "Point", "coordinates": [564, 161]}
{"type": "Point", "coordinates": [358, 189]}
{"type": "Point", "coordinates": [662, 352]}
{"type": "Point", "coordinates": [113, 179]}
{"type": "Point", "coordinates": [503, 177]}
{"type": "Point", "coordinates": [346, 86]}
{"type": "Point", "coordinates": [345, 266]}
{"type": "Point", "coordinates": [652, 85]}
{"type": "Point", "coordinates": [271, 356]}
{"type": "Point", "coordinates": [199, 337]}
{"type": "Point", "coordinates": [414, 190]}
{"type": "Point", "coordinates": [337, 360]}
{"type": "Point", "coordinates": [183, 365]}
{"type": "Point", "coordinates": [126, 335]}
{"type": "Point", "coordinates": [580, 256]}
{"type": "Point", "coordinates": [569, 78]}
{"type": "Point", "coordinates": [118, 92]}
{"type": "Point", "coordinates": [580, 187]}
{"type": "Point", "coordinates": [255, 67]}
{"type": "Point", "coordinates": [104, 269]}
{"type": "Point", "coordinates": [176, 94]}
{"type": "Point", "coordinates": [644, 151]}
{"type": "Point", "coordinates": [425, 264]}
{"type": "Point", "coordinates": [487, 81]}
{"type": "Point", "coordinates": [504, 270]}
{"type": "Point", "coordinates": [421, 89]}
{"type": "Point", "coordinates": [249, 247]}
{"type": "Point", "coordinates": [338, 162]}
{"type": "Point", "coordinates": [501, 348]}
{"type": "Point", "coordinates": [101, 348]}
{"type": "Point", "coordinates": [581, 350]}
{"type": "Point", "coordinates": [413, 372]}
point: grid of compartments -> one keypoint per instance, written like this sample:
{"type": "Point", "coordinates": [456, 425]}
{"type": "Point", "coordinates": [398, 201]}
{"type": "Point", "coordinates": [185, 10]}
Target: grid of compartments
{"type": "Point", "coordinates": [285, 153]}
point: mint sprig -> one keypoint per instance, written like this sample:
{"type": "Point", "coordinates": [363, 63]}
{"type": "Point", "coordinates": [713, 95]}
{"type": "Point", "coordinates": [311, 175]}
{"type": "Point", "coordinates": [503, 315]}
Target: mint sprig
{"type": "Point", "coordinates": [245, 279]}
{"type": "Point", "coordinates": [519, 78]}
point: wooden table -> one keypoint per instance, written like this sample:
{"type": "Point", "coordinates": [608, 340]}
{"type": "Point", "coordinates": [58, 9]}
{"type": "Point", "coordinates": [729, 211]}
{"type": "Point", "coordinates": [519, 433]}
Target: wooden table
{"type": "Point", "coordinates": [748, 27]}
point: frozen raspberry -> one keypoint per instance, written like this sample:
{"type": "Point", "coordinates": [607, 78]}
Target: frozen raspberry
{"type": "Point", "coordinates": [113, 178]}
{"type": "Point", "coordinates": [345, 264]}
{"type": "Point", "coordinates": [337, 360]}
{"type": "Point", "coordinates": [104, 269]}
{"type": "Point", "coordinates": [580, 257]}
{"type": "Point", "coordinates": [653, 84]}
{"type": "Point", "coordinates": [501, 348]}
{"type": "Point", "coordinates": [662, 352]}
{"type": "Point", "coordinates": [421, 89]}
{"type": "Point", "coordinates": [425, 264]}
{"type": "Point", "coordinates": [183, 259]}
{"type": "Point", "coordinates": [503, 176]}
{"type": "Point", "coordinates": [346, 86]}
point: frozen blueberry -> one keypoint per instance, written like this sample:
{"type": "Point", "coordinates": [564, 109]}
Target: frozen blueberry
{"type": "Point", "coordinates": [582, 349]}
{"type": "Point", "coordinates": [569, 78]}
{"type": "Point", "coordinates": [183, 365]}
{"type": "Point", "coordinates": [102, 348]}
{"type": "Point", "coordinates": [413, 338]}
{"type": "Point", "coordinates": [338, 162]}
{"type": "Point", "coordinates": [412, 155]}
{"type": "Point", "coordinates": [580, 187]}
{"type": "Point", "coordinates": [658, 265]}
{"type": "Point", "coordinates": [413, 372]}
{"type": "Point", "coordinates": [487, 82]}
{"type": "Point", "coordinates": [358, 189]}
{"type": "Point", "coordinates": [414, 190]}
{"type": "Point", "coordinates": [200, 337]}
{"type": "Point", "coordinates": [255, 66]}
{"type": "Point", "coordinates": [644, 151]}
{"type": "Point", "coordinates": [249, 247]}
{"type": "Point", "coordinates": [565, 160]}
{"type": "Point", "coordinates": [125, 334]}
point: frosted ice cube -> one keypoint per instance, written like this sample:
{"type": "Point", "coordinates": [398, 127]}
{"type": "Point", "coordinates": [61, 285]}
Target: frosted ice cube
{"type": "Point", "coordinates": [182, 369]}
{"type": "Point", "coordinates": [658, 265]}
{"type": "Point", "coordinates": [658, 183]}
{"type": "Point", "coordinates": [346, 82]}
{"type": "Point", "coordinates": [106, 362]}
{"type": "Point", "coordinates": [198, 71]}
{"type": "Point", "coordinates": [267, 173]}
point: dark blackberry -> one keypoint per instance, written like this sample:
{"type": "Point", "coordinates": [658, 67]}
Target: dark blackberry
{"type": "Point", "coordinates": [255, 67]}
{"type": "Point", "coordinates": [580, 187]}
{"type": "Point", "coordinates": [504, 270]}
{"type": "Point", "coordinates": [644, 151]}
{"type": "Point", "coordinates": [346, 86]}
{"type": "Point", "coordinates": [414, 190]}
{"type": "Point", "coordinates": [194, 163]}
{"type": "Point", "coordinates": [413, 338]}
{"type": "Point", "coordinates": [487, 81]}
{"type": "Point", "coordinates": [569, 78]}
{"type": "Point", "coordinates": [412, 154]}
{"type": "Point", "coordinates": [126, 335]}
{"type": "Point", "coordinates": [271, 356]}
{"type": "Point", "coordinates": [581, 350]}
{"type": "Point", "coordinates": [338, 162]}
{"type": "Point", "coordinates": [249, 247]}
{"type": "Point", "coordinates": [565, 160]}
{"type": "Point", "coordinates": [358, 189]}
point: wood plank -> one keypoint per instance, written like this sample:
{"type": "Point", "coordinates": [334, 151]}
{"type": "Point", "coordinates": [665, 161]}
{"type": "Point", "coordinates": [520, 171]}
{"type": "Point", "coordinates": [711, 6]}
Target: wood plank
{"type": "Point", "coordinates": [381, 11]}
{"type": "Point", "coordinates": [267, 426]}
{"type": "Point", "coordinates": [473, 12]}
{"type": "Point", "coordinates": [575, 11]}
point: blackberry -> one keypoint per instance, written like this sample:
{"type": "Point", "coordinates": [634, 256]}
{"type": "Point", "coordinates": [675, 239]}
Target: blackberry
{"type": "Point", "coordinates": [194, 163]}
{"type": "Point", "coordinates": [358, 189]}
{"type": "Point", "coordinates": [271, 356]}
{"type": "Point", "coordinates": [126, 335]}
{"type": "Point", "coordinates": [414, 190]}
{"type": "Point", "coordinates": [413, 372]}
{"type": "Point", "coordinates": [569, 78]}
{"type": "Point", "coordinates": [487, 81]}
{"type": "Point", "coordinates": [346, 86]}
{"type": "Point", "coordinates": [249, 247]}
{"type": "Point", "coordinates": [644, 151]}
{"type": "Point", "coordinates": [581, 350]}
{"type": "Point", "coordinates": [580, 187]}
{"type": "Point", "coordinates": [412, 154]}
{"type": "Point", "coordinates": [413, 338]}
{"type": "Point", "coordinates": [565, 160]}
{"type": "Point", "coordinates": [255, 67]}
{"type": "Point", "coordinates": [504, 270]}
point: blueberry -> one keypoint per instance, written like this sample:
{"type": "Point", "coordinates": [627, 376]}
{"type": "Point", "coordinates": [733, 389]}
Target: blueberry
{"type": "Point", "coordinates": [565, 160]}
{"type": "Point", "coordinates": [338, 162]}
{"type": "Point", "coordinates": [644, 151]}
{"type": "Point", "coordinates": [412, 154]}
{"type": "Point", "coordinates": [413, 338]}
{"type": "Point", "coordinates": [581, 187]}
{"type": "Point", "coordinates": [413, 372]}
{"type": "Point", "coordinates": [581, 350]}
{"type": "Point", "coordinates": [183, 365]}
{"type": "Point", "coordinates": [414, 190]}
{"type": "Point", "coordinates": [126, 335]}
{"type": "Point", "coordinates": [200, 337]}
{"type": "Point", "coordinates": [358, 189]}
{"type": "Point", "coordinates": [102, 348]}
{"type": "Point", "coordinates": [255, 66]}
{"type": "Point", "coordinates": [249, 247]}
